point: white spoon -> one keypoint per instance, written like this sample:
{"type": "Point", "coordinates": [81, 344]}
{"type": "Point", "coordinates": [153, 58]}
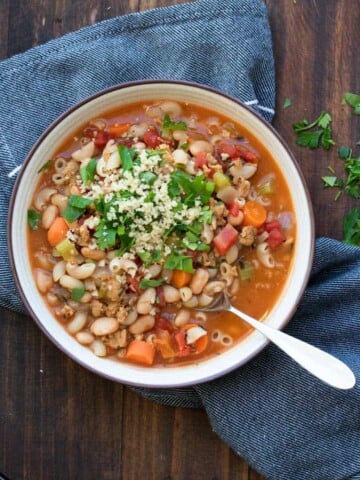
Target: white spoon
{"type": "Point", "coordinates": [321, 364]}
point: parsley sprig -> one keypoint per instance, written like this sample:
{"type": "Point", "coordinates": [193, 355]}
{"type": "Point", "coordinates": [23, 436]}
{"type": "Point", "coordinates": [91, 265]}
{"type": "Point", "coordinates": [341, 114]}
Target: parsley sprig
{"type": "Point", "coordinates": [351, 227]}
{"type": "Point", "coordinates": [168, 125]}
{"type": "Point", "coordinates": [316, 133]}
{"type": "Point", "coordinates": [352, 99]}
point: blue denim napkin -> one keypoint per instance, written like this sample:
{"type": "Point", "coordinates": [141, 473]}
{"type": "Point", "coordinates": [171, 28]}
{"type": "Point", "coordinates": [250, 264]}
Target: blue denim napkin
{"type": "Point", "coordinates": [283, 422]}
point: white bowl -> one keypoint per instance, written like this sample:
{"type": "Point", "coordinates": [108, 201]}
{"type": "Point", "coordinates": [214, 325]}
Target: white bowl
{"type": "Point", "coordinates": [50, 142]}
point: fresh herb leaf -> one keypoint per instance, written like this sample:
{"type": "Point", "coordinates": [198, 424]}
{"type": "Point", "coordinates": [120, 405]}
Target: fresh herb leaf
{"type": "Point", "coordinates": [77, 294]}
{"type": "Point", "coordinates": [87, 173]}
{"type": "Point", "coordinates": [193, 242]}
{"type": "Point", "coordinates": [287, 103]}
{"type": "Point", "coordinates": [126, 243]}
{"type": "Point", "coordinates": [169, 125]}
{"type": "Point", "coordinates": [148, 177]}
{"type": "Point", "coordinates": [332, 181]}
{"type": "Point", "coordinates": [352, 99]}
{"type": "Point", "coordinates": [352, 184]}
{"type": "Point", "coordinates": [179, 262]}
{"type": "Point", "coordinates": [149, 283]}
{"type": "Point", "coordinates": [127, 156]}
{"type": "Point", "coordinates": [307, 137]}
{"type": "Point", "coordinates": [184, 146]}
{"type": "Point", "coordinates": [106, 236]}
{"type": "Point", "coordinates": [344, 152]}
{"type": "Point", "coordinates": [79, 202]}
{"type": "Point", "coordinates": [45, 166]}
{"type": "Point", "coordinates": [351, 227]}
{"type": "Point", "coordinates": [33, 219]}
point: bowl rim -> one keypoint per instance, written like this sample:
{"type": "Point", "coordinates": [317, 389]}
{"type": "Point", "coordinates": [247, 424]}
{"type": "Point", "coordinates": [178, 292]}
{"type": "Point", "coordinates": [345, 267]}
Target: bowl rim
{"type": "Point", "coordinates": [263, 343]}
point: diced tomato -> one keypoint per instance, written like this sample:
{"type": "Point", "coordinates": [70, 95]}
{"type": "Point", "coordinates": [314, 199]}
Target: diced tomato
{"type": "Point", "coordinates": [271, 225]}
{"type": "Point", "coordinates": [235, 150]}
{"type": "Point", "coordinates": [162, 324]}
{"type": "Point", "coordinates": [234, 209]}
{"type": "Point", "coordinates": [275, 238]}
{"type": "Point", "coordinates": [200, 160]}
{"type": "Point", "coordinates": [151, 138]}
{"type": "Point", "coordinates": [90, 132]}
{"type": "Point", "coordinates": [134, 284]}
{"type": "Point", "coordinates": [225, 239]}
{"type": "Point", "coordinates": [185, 352]}
{"type": "Point", "coordinates": [101, 138]}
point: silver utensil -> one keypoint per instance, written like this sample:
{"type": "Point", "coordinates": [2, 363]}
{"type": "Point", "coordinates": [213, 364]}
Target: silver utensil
{"type": "Point", "coordinates": [321, 364]}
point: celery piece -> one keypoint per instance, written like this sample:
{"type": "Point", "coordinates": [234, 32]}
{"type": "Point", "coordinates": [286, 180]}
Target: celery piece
{"type": "Point", "coordinates": [221, 180]}
{"type": "Point", "coordinates": [66, 249]}
{"type": "Point", "coordinates": [267, 188]}
{"type": "Point", "coordinates": [245, 270]}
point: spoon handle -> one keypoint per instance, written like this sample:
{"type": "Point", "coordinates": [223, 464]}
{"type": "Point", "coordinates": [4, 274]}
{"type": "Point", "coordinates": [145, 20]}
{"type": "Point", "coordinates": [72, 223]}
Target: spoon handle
{"type": "Point", "coordinates": [322, 365]}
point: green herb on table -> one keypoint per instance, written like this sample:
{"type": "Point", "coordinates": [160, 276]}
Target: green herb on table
{"type": "Point", "coordinates": [315, 134]}
{"type": "Point", "coordinates": [351, 227]}
{"type": "Point", "coordinates": [352, 99]}
{"type": "Point", "coordinates": [33, 219]}
{"type": "Point", "coordinates": [352, 168]}
{"type": "Point", "coordinates": [287, 103]}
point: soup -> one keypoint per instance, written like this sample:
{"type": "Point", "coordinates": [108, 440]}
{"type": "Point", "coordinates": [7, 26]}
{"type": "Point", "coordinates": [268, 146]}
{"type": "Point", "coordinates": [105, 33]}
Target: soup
{"type": "Point", "coordinates": [144, 217]}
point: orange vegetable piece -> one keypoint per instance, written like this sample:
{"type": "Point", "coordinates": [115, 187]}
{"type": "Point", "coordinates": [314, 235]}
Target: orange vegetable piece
{"type": "Point", "coordinates": [118, 129]}
{"type": "Point", "coordinates": [200, 344]}
{"type": "Point", "coordinates": [179, 278]}
{"type": "Point", "coordinates": [57, 231]}
{"type": "Point", "coordinates": [139, 351]}
{"type": "Point", "coordinates": [254, 214]}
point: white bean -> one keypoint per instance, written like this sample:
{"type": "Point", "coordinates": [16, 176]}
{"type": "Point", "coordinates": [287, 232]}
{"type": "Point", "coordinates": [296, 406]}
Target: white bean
{"type": "Point", "coordinates": [199, 280]}
{"type": "Point", "coordinates": [142, 324]}
{"type": "Point", "coordinates": [98, 348]}
{"type": "Point", "coordinates": [130, 319]}
{"type": "Point", "coordinates": [199, 146]}
{"type": "Point", "coordinates": [60, 201]}
{"type": "Point", "coordinates": [182, 318]}
{"type": "Point", "coordinates": [80, 272]}
{"type": "Point", "coordinates": [138, 129]}
{"type": "Point", "coordinates": [85, 338]}
{"type": "Point", "coordinates": [180, 156]}
{"type": "Point", "coordinates": [70, 283]}
{"type": "Point", "coordinates": [232, 254]}
{"type": "Point", "coordinates": [146, 300]}
{"type": "Point", "coordinates": [171, 294]}
{"type": "Point", "coordinates": [43, 197]}
{"type": "Point", "coordinates": [43, 280]}
{"type": "Point", "coordinates": [77, 323]}
{"type": "Point", "coordinates": [52, 299]}
{"type": "Point", "coordinates": [171, 108]}
{"type": "Point", "coordinates": [214, 287]}
{"type": "Point", "coordinates": [104, 326]}
{"type": "Point", "coordinates": [228, 194]}
{"type": "Point", "coordinates": [248, 170]}
{"type": "Point", "coordinates": [192, 303]}
{"type": "Point", "coordinates": [59, 270]}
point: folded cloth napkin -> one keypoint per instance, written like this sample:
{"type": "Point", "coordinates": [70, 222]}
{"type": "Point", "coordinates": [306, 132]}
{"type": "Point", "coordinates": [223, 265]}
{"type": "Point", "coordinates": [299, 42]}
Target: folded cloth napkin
{"type": "Point", "coordinates": [282, 421]}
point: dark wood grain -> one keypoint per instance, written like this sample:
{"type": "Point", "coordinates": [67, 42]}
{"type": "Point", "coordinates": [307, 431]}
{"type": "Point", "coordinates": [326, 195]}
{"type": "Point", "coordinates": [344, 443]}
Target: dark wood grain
{"type": "Point", "coordinates": [57, 420]}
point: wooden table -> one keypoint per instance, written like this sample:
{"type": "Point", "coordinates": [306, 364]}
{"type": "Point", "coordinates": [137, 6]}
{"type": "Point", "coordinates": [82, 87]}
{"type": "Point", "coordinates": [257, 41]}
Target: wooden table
{"type": "Point", "coordinates": [59, 421]}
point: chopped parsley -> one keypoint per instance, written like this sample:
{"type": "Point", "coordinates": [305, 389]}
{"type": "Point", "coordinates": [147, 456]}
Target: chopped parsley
{"type": "Point", "coordinates": [149, 283]}
{"type": "Point", "coordinates": [351, 227]}
{"type": "Point", "coordinates": [33, 219]}
{"type": "Point", "coordinates": [77, 294]}
{"type": "Point", "coordinates": [127, 156]}
{"type": "Point", "coordinates": [179, 262]}
{"type": "Point", "coordinates": [191, 187]}
{"type": "Point", "coordinates": [45, 166]}
{"type": "Point", "coordinates": [352, 99]}
{"type": "Point", "coordinates": [314, 134]}
{"type": "Point", "coordinates": [76, 207]}
{"type": "Point", "coordinates": [87, 172]}
{"type": "Point", "coordinates": [168, 125]}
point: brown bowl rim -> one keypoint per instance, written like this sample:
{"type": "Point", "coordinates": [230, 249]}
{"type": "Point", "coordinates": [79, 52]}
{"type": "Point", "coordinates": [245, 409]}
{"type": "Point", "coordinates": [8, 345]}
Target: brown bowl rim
{"type": "Point", "coordinates": [28, 158]}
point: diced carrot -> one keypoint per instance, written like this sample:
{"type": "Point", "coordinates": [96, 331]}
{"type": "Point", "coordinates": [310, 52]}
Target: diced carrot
{"type": "Point", "coordinates": [200, 344]}
{"type": "Point", "coordinates": [118, 129]}
{"type": "Point", "coordinates": [254, 214]}
{"type": "Point", "coordinates": [163, 343]}
{"type": "Point", "coordinates": [139, 351]}
{"type": "Point", "coordinates": [57, 231]}
{"type": "Point", "coordinates": [179, 278]}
